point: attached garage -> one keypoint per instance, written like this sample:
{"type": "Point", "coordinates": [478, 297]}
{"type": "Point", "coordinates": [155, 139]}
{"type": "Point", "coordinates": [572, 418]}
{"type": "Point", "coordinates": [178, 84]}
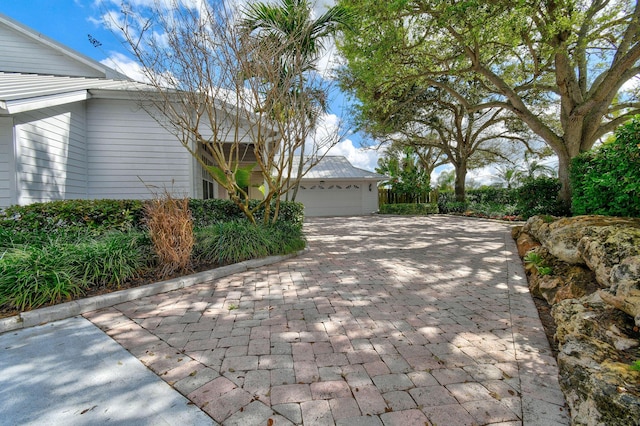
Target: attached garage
{"type": "Point", "coordinates": [335, 188]}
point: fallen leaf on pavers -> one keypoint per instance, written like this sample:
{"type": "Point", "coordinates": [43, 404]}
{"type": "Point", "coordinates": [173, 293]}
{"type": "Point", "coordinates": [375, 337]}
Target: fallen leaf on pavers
{"type": "Point", "coordinates": [388, 409]}
{"type": "Point", "coordinates": [495, 395]}
{"type": "Point", "coordinates": [193, 373]}
{"type": "Point", "coordinates": [270, 422]}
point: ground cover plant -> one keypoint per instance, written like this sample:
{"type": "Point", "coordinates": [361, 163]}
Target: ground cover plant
{"type": "Point", "coordinates": [59, 251]}
{"type": "Point", "coordinates": [487, 202]}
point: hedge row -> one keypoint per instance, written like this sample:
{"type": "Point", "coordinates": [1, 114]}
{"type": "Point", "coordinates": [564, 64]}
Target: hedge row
{"type": "Point", "coordinates": [104, 215]}
{"type": "Point", "coordinates": [409, 208]}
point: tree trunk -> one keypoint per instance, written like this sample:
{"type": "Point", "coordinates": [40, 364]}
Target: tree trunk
{"type": "Point", "coordinates": [461, 175]}
{"type": "Point", "coordinates": [564, 196]}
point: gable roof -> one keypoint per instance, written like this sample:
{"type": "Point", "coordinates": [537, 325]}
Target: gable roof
{"type": "Point", "coordinates": [33, 44]}
{"type": "Point", "coordinates": [339, 168]}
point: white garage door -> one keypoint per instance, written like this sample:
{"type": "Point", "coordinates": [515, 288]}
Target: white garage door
{"type": "Point", "coordinates": [331, 199]}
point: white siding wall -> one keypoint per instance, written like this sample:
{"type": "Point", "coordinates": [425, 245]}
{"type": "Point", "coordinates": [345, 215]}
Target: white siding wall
{"type": "Point", "coordinates": [51, 155]}
{"type": "Point", "coordinates": [7, 171]}
{"type": "Point", "coordinates": [125, 146]}
{"type": "Point", "coordinates": [369, 197]}
{"type": "Point", "coordinates": [19, 53]}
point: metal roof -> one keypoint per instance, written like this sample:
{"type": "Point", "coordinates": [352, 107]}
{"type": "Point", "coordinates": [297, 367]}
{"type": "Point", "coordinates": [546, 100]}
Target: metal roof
{"type": "Point", "coordinates": [338, 167]}
{"type": "Point", "coordinates": [23, 92]}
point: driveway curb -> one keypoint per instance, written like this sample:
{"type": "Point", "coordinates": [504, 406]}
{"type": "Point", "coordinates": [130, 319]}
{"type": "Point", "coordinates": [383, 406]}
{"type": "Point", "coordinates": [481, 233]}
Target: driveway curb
{"type": "Point", "coordinates": [77, 307]}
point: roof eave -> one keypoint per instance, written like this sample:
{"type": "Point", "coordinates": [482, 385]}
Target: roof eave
{"type": "Point", "coordinates": [29, 104]}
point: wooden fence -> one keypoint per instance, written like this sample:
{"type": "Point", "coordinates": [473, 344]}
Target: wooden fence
{"type": "Point", "coordinates": [388, 196]}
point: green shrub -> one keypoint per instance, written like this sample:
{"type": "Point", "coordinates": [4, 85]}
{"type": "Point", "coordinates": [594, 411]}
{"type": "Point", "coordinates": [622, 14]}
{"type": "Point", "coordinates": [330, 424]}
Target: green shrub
{"type": "Point", "coordinates": [32, 276]}
{"type": "Point", "coordinates": [481, 197]}
{"type": "Point", "coordinates": [606, 180]}
{"type": "Point", "coordinates": [110, 259]}
{"type": "Point", "coordinates": [538, 196]}
{"type": "Point", "coordinates": [492, 209]}
{"type": "Point", "coordinates": [98, 215]}
{"type": "Point", "coordinates": [409, 208]}
{"type": "Point", "coordinates": [238, 241]}
{"type": "Point", "coordinates": [285, 238]}
{"type": "Point", "coordinates": [455, 207]}
{"type": "Point", "coordinates": [209, 212]}
{"type": "Point", "coordinates": [235, 241]}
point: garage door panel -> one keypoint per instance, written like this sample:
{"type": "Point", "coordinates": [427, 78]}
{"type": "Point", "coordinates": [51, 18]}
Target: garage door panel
{"type": "Point", "coordinates": [338, 199]}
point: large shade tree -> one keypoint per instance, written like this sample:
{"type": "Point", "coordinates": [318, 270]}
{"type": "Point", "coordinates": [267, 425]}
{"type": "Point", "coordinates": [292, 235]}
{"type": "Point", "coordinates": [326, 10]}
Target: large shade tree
{"type": "Point", "coordinates": [415, 115]}
{"type": "Point", "coordinates": [561, 66]}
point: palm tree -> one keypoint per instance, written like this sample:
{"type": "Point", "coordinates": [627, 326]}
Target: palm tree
{"type": "Point", "coordinates": [290, 26]}
{"type": "Point", "coordinates": [509, 177]}
{"type": "Point", "coordinates": [536, 169]}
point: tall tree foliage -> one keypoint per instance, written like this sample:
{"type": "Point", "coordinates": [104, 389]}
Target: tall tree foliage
{"type": "Point", "coordinates": [407, 173]}
{"type": "Point", "coordinates": [423, 116]}
{"type": "Point", "coordinates": [558, 65]}
{"type": "Point", "coordinates": [290, 25]}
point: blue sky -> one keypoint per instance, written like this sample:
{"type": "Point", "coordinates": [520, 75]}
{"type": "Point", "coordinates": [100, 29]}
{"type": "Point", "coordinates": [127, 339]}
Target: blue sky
{"type": "Point", "coordinates": [70, 22]}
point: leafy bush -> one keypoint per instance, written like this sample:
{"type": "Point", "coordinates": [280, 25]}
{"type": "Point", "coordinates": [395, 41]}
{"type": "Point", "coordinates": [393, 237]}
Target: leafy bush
{"type": "Point", "coordinates": [606, 181]}
{"type": "Point", "coordinates": [110, 259]}
{"type": "Point", "coordinates": [409, 208]}
{"type": "Point", "coordinates": [539, 196]}
{"type": "Point", "coordinates": [454, 207]}
{"type": "Point", "coordinates": [485, 198]}
{"type": "Point", "coordinates": [61, 267]}
{"type": "Point", "coordinates": [51, 252]}
{"type": "Point", "coordinates": [98, 215]}
{"type": "Point", "coordinates": [209, 212]}
{"type": "Point", "coordinates": [235, 241]}
{"type": "Point", "coordinates": [492, 209]}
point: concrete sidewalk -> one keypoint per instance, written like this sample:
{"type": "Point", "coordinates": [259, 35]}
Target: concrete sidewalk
{"type": "Point", "coordinates": [383, 321]}
{"type": "Point", "coordinates": [69, 373]}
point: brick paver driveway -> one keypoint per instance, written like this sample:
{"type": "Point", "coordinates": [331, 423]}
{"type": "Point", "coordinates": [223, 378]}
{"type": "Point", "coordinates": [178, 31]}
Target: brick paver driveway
{"type": "Point", "coordinates": [383, 321]}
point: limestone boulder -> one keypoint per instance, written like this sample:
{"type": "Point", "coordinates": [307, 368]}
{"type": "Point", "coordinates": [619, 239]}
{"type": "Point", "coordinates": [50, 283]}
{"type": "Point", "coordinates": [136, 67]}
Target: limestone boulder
{"type": "Point", "coordinates": [525, 243]}
{"type": "Point", "coordinates": [599, 385]}
{"type": "Point", "coordinates": [563, 281]}
{"type": "Point", "coordinates": [563, 236]}
{"type": "Point", "coordinates": [624, 292]}
{"type": "Point", "coordinates": [567, 282]}
{"type": "Point", "coordinates": [607, 246]}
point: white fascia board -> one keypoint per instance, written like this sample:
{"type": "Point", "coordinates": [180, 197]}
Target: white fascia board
{"type": "Point", "coordinates": [40, 102]}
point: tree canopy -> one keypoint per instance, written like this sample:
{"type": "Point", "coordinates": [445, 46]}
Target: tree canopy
{"type": "Point", "coordinates": [563, 67]}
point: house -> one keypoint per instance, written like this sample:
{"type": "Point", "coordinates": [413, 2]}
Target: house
{"type": "Point", "coordinates": [72, 128]}
{"type": "Point", "coordinates": [334, 187]}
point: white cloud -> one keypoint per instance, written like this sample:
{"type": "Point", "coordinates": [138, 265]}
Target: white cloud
{"type": "Point", "coordinates": [328, 132]}
{"type": "Point", "coordinates": [362, 158]}
{"type": "Point", "coordinates": [631, 85]}
{"type": "Point", "coordinates": [125, 65]}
